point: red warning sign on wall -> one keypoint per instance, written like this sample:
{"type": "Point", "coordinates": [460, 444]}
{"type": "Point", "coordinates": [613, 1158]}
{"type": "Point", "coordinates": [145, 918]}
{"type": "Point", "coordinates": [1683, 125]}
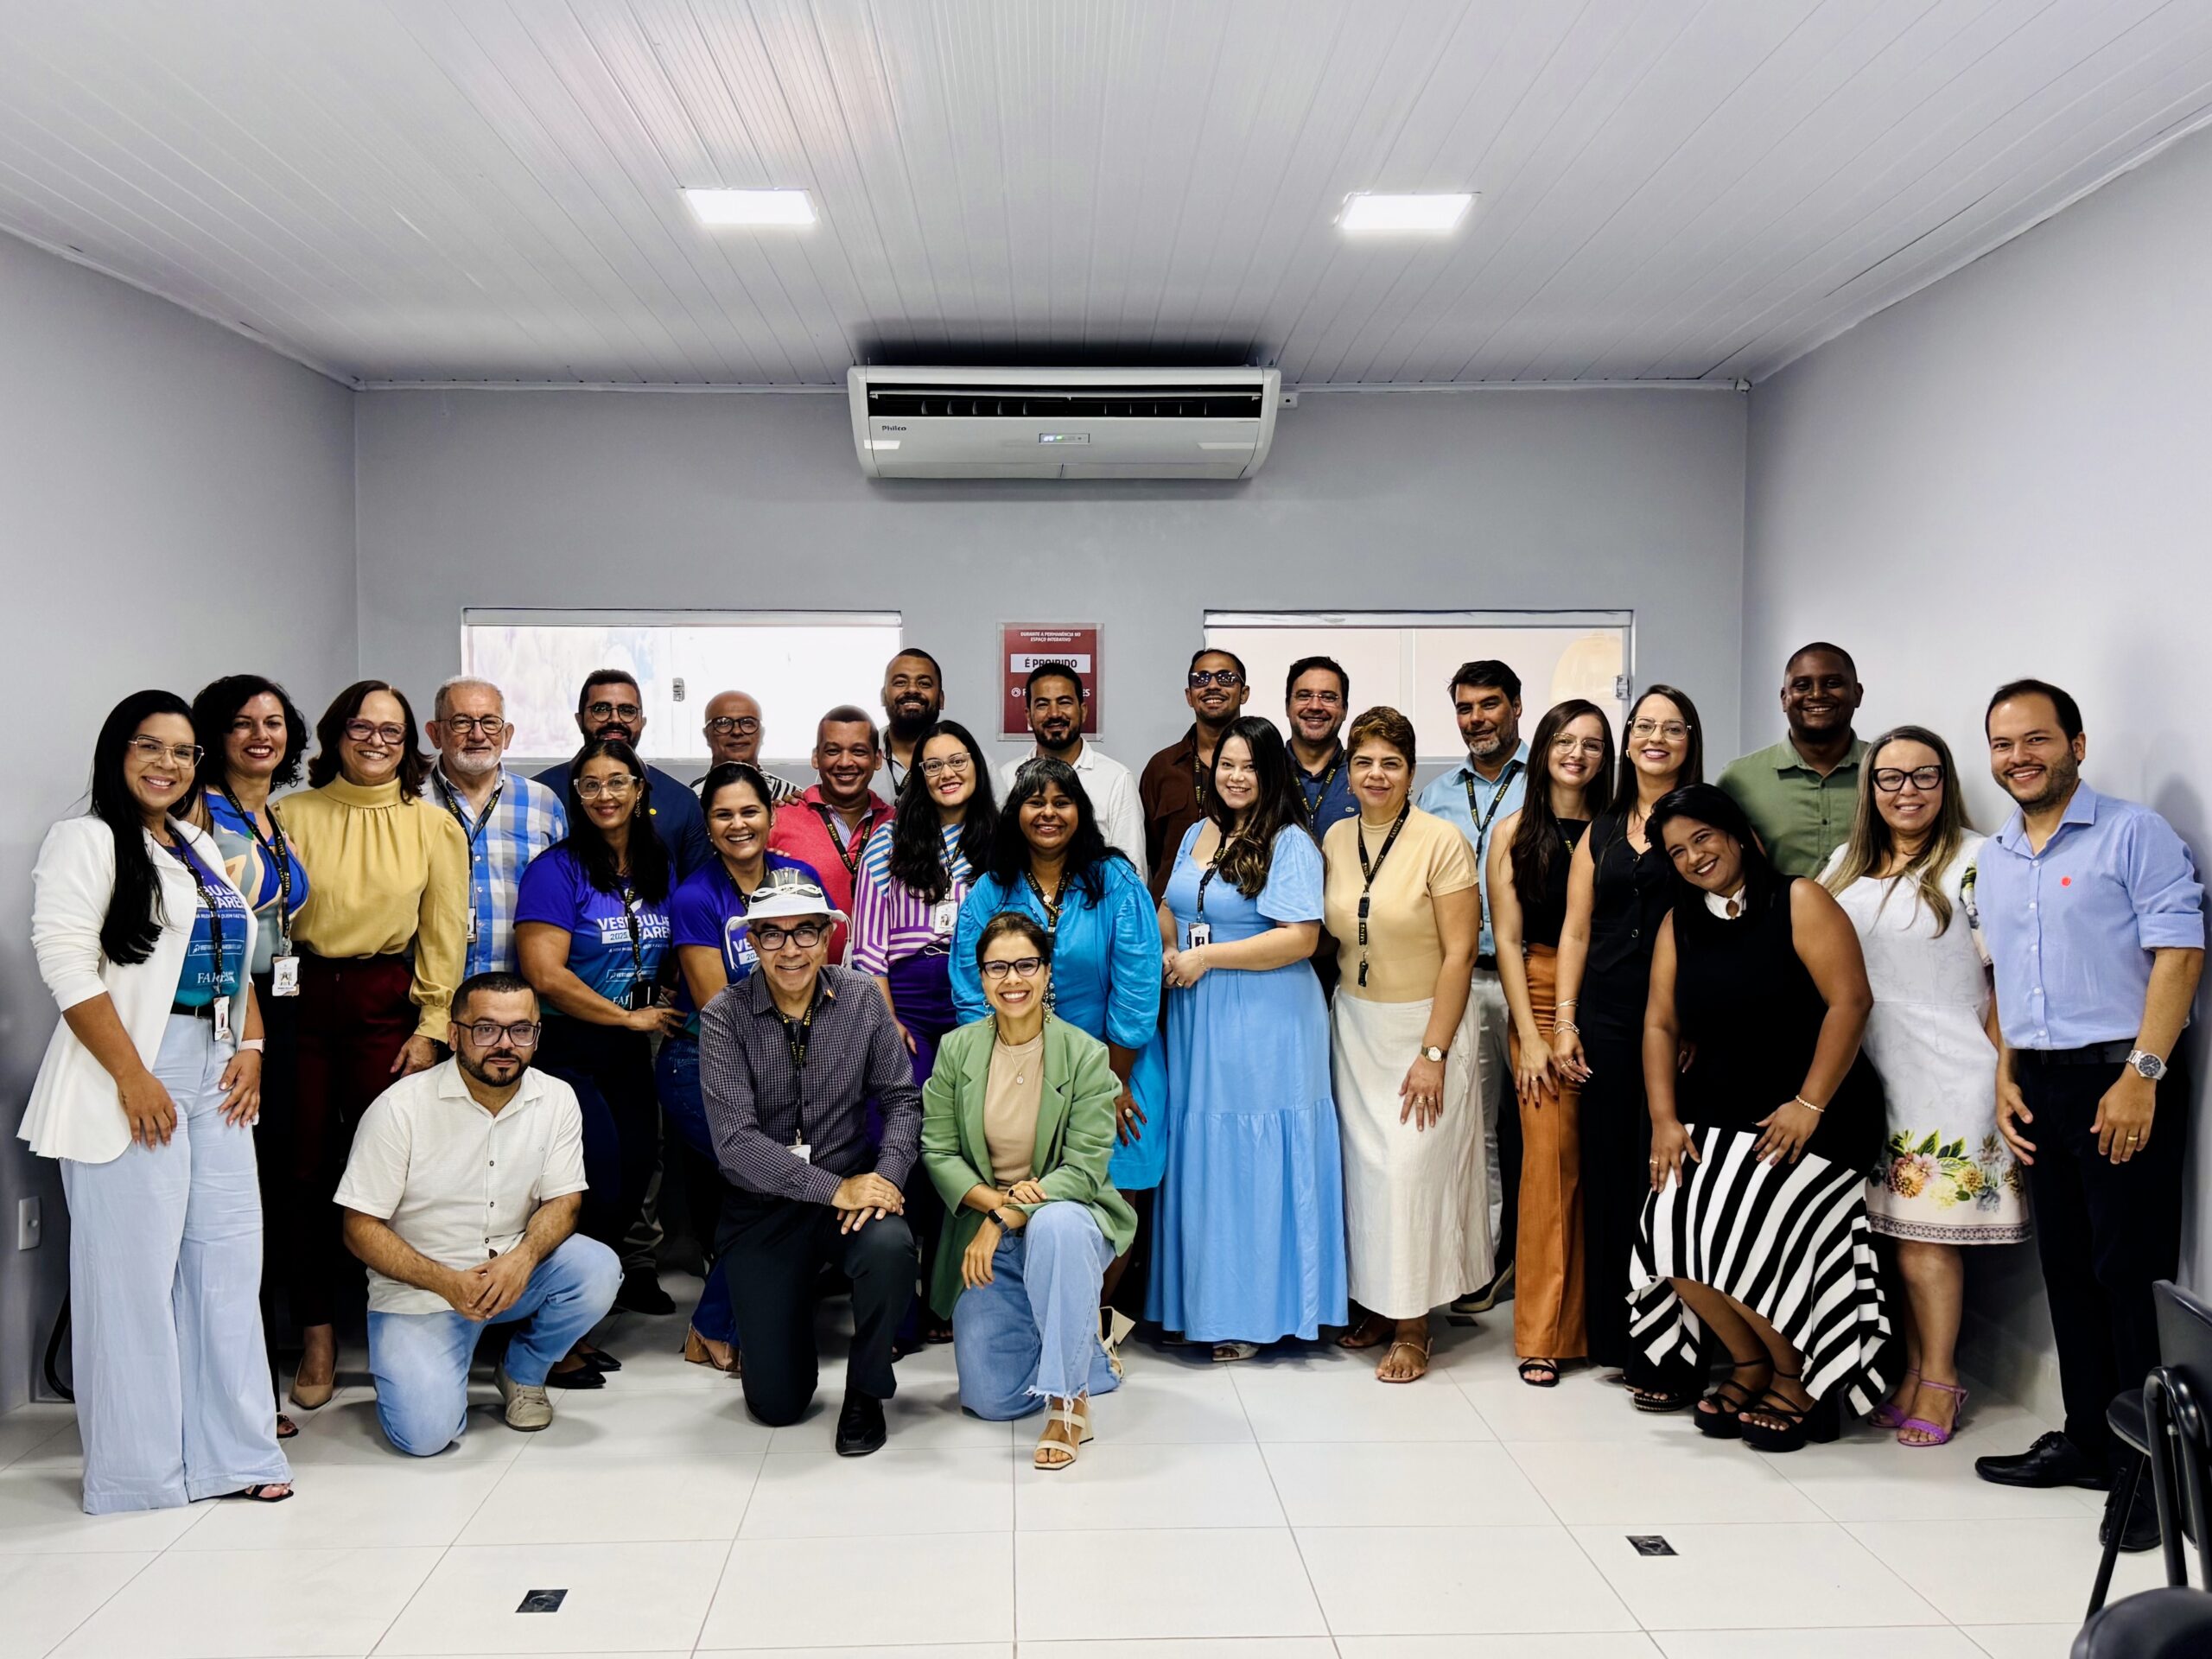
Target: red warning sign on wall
{"type": "Point", "coordinates": [1023, 646]}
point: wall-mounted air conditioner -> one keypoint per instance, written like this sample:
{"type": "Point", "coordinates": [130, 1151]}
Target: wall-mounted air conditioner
{"type": "Point", "coordinates": [1064, 423]}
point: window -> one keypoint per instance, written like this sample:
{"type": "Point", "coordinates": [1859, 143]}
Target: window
{"type": "Point", "coordinates": [795, 664]}
{"type": "Point", "coordinates": [1405, 659]}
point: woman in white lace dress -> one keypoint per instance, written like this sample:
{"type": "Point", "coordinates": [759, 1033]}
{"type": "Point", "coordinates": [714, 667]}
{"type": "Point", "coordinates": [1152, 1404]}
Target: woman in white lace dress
{"type": "Point", "coordinates": [1945, 1179]}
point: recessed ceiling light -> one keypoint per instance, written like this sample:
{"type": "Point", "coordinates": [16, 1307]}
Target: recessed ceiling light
{"type": "Point", "coordinates": [1365, 211]}
{"type": "Point", "coordinates": [720, 208]}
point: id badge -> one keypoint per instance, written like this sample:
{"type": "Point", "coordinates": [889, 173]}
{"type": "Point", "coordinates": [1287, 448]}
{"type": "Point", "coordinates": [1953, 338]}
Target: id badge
{"type": "Point", "coordinates": [284, 976]}
{"type": "Point", "coordinates": [802, 1152]}
{"type": "Point", "coordinates": [221, 1006]}
{"type": "Point", "coordinates": [1201, 933]}
{"type": "Point", "coordinates": [472, 924]}
{"type": "Point", "coordinates": [943, 917]}
{"type": "Point", "coordinates": [641, 996]}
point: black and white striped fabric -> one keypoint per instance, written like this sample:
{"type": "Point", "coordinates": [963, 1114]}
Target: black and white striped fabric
{"type": "Point", "coordinates": [1791, 1242]}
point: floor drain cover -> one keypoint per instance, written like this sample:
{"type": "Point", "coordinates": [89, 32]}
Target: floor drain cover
{"type": "Point", "coordinates": [542, 1601]}
{"type": "Point", "coordinates": [1650, 1545]}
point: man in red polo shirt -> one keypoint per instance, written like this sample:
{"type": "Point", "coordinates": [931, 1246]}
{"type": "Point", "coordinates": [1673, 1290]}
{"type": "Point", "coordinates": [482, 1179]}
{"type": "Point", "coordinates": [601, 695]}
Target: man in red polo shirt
{"type": "Point", "coordinates": [829, 823]}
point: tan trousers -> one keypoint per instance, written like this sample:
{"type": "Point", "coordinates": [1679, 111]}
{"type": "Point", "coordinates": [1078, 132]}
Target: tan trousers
{"type": "Point", "coordinates": [1547, 1291]}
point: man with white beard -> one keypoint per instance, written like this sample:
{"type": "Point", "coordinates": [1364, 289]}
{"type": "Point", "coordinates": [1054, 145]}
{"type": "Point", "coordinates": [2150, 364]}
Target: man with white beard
{"type": "Point", "coordinates": [508, 818]}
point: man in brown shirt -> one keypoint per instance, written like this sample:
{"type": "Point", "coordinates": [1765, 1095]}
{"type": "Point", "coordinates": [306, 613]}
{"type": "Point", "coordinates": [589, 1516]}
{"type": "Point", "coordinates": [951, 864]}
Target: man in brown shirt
{"type": "Point", "coordinates": [1173, 789]}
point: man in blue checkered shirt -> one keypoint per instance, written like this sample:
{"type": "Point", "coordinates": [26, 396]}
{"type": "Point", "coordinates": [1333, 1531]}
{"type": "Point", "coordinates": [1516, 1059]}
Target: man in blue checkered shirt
{"type": "Point", "coordinates": [508, 818]}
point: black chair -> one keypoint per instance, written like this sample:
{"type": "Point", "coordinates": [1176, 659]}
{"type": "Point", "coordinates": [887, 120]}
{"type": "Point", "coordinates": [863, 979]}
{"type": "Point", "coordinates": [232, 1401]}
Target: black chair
{"type": "Point", "coordinates": [2169, 1624]}
{"type": "Point", "coordinates": [2166, 1424]}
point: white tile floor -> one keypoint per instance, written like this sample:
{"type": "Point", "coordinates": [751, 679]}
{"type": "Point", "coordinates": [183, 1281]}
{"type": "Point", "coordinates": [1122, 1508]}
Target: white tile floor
{"type": "Point", "coordinates": [1286, 1508]}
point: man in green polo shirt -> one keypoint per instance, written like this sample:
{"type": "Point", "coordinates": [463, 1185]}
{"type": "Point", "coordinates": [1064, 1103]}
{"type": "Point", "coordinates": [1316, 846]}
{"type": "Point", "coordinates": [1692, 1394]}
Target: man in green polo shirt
{"type": "Point", "coordinates": [1800, 794]}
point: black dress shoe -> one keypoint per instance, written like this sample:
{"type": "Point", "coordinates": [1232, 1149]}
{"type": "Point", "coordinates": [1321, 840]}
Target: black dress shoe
{"type": "Point", "coordinates": [641, 1294]}
{"type": "Point", "coordinates": [860, 1426]}
{"type": "Point", "coordinates": [2053, 1460]}
{"type": "Point", "coordinates": [2139, 1531]}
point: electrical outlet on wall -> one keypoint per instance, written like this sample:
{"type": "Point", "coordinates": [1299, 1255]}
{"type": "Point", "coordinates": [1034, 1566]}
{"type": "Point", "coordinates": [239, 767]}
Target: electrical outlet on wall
{"type": "Point", "coordinates": [27, 1225]}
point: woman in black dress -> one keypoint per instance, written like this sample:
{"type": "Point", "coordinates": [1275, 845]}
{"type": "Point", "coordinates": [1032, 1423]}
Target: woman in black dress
{"type": "Point", "coordinates": [1617, 895]}
{"type": "Point", "coordinates": [1756, 1229]}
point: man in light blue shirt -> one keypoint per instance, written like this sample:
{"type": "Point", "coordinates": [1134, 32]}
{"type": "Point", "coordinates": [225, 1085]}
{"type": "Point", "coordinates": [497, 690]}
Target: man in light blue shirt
{"type": "Point", "coordinates": [1477, 794]}
{"type": "Point", "coordinates": [2094, 921]}
{"type": "Point", "coordinates": [508, 818]}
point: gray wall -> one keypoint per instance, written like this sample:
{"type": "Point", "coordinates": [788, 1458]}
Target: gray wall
{"type": "Point", "coordinates": [179, 504]}
{"type": "Point", "coordinates": [1596, 498]}
{"type": "Point", "coordinates": [2005, 475]}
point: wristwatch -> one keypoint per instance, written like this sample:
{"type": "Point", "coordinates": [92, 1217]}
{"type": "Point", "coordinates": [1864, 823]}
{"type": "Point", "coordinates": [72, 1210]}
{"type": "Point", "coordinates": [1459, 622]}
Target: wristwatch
{"type": "Point", "coordinates": [2147, 1065]}
{"type": "Point", "coordinates": [1429, 1051]}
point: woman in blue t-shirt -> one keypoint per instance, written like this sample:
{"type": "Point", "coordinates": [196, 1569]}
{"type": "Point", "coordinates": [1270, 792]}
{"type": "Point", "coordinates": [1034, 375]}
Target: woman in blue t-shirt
{"type": "Point", "coordinates": [591, 929]}
{"type": "Point", "coordinates": [707, 926]}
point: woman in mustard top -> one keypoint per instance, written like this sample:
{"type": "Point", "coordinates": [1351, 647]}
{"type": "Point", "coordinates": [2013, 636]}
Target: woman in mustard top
{"type": "Point", "coordinates": [381, 944]}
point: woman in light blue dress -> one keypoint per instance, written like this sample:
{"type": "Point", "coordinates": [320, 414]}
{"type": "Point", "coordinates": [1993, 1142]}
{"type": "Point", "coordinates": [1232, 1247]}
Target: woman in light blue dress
{"type": "Point", "coordinates": [1249, 1239]}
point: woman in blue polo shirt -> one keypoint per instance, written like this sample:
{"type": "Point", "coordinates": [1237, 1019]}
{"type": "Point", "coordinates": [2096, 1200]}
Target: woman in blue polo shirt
{"type": "Point", "coordinates": [591, 929]}
{"type": "Point", "coordinates": [708, 928]}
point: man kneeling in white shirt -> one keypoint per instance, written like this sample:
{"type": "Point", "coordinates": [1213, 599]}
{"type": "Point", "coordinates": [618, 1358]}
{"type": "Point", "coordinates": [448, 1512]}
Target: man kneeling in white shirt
{"type": "Point", "coordinates": [462, 1195]}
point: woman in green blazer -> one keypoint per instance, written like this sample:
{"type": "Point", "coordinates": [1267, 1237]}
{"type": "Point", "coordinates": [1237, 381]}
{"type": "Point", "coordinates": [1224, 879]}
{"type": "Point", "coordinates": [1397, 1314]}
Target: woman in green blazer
{"type": "Point", "coordinates": [1017, 1127]}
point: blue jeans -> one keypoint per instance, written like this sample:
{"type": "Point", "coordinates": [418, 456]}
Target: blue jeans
{"type": "Point", "coordinates": [1032, 1331]}
{"type": "Point", "coordinates": [172, 1395]}
{"type": "Point", "coordinates": [676, 1076]}
{"type": "Point", "coordinates": [420, 1361]}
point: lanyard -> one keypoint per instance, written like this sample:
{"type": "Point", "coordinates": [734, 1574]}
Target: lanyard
{"type": "Point", "coordinates": [1498, 799]}
{"type": "Point", "coordinates": [452, 806]}
{"type": "Point", "coordinates": [848, 850]}
{"type": "Point", "coordinates": [1199, 778]}
{"type": "Point", "coordinates": [637, 948]}
{"type": "Point", "coordinates": [200, 880]}
{"type": "Point", "coordinates": [796, 1033]}
{"type": "Point", "coordinates": [1368, 871]}
{"type": "Point", "coordinates": [1214, 868]}
{"type": "Point", "coordinates": [274, 846]}
{"type": "Point", "coordinates": [1320, 787]}
{"type": "Point", "coordinates": [1051, 908]}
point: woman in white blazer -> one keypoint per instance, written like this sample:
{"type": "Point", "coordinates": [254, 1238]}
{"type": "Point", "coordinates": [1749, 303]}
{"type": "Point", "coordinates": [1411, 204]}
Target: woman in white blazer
{"type": "Point", "coordinates": [147, 1096]}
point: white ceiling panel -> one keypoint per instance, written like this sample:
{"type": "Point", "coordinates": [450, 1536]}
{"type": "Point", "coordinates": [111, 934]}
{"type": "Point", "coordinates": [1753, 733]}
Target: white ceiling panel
{"type": "Point", "coordinates": [488, 190]}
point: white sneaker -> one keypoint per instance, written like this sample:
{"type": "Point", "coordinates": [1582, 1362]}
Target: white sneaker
{"type": "Point", "coordinates": [528, 1408]}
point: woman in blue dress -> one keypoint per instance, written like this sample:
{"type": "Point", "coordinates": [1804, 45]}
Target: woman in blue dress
{"type": "Point", "coordinates": [1050, 860]}
{"type": "Point", "coordinates": [1248, 1245]}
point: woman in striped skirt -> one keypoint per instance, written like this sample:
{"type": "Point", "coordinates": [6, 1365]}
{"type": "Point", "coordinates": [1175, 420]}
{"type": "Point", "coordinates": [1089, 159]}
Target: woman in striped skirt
{"type": "Point", "coordinates": [1756, 1229]}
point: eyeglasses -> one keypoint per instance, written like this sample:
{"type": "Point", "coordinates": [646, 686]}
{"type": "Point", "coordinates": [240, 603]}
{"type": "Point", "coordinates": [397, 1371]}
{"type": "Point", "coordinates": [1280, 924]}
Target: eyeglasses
{"type": "Point", "coordinates": [1568, 743]}
{"type": "Point", "coordinates": [469, 725]}
{"type": "Point", "coordinates": [522, 1033]}
{"type": "Point", "coordinates": [618, 710]}
{"type": "Point", "coordinates": [1673, 730]}
{"type": "Point", "coordinates": [768, 937]}
{"type": "Point", "coordinates": [723, 725]}
{"type": "Point", "coordinates": [1228, 676]}
{"type": "Point", "coordinates": [368, 731]}
{"type": "Point", "coordinates": [591, 788]}
{"type": "Point", "coordinates": [1890, 780]}
{"type": "Point", "coordinates": [1020, 967]}
{"type": "Point", "coordinates": [1331, 699]}
{"type": "Point", "coordinates": [152, 748]}
{"type": "Point", "coordinates": [957, 766]}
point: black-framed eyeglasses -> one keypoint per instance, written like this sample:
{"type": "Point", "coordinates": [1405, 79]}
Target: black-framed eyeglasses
{"type": "Point", "coordinates": [522, 1033]}
{"type": "Point", "coordinates": [958, 765]}
{"type": "Point", "coordinates": [1019, 967]}
{"type": "Point", "coordinates": [1200, 678]}
{"type": "Point", "coordinates": [768, 937]}
{"type": "Point", "coordinates": [469, 725]}
{"type": "Point", "coordinates": [184, 754]}
{"type": "Point", "coordinates": [1890, 780]}
{"type": "Point", "coordinates": [723, 725]}
{"type": "Point", "coordinates": [618, 710]}
{"type": "Point", "coordinates": [366, 731]}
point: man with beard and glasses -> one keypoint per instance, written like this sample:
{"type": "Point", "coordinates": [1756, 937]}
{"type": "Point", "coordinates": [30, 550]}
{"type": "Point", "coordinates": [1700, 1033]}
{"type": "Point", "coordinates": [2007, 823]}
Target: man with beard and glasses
{"type": "Point", "coordinates": [913, 698]}
{"type": "Point", "coordinates": [1317, 694]}
{"type": "Point", "coordinates": [1477, 795]}
{"type": "Point", "coordinates": [610, 706]}
{"type": "Point", "coordinates": [828, 829]}
{"type": "Point", "coordinates": [2094, 918]}
{"type": "Point", "coordinates": [508, 818]}
{"type": "Point", "coordinates": [1800, 794]}
{"type": "Point", "coordinates": [462, 1196]}
{"type": "Point", "coordinates": [1054, 697]}
{"type": "Point", "coordinates": [732, 732]}
{"type": "Point", "coordinates": [1174, 784]}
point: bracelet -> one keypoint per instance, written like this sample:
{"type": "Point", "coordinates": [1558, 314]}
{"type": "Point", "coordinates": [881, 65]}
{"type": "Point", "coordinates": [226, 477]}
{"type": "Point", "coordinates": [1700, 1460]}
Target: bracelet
{"type": "Point", "coordinates": [1567, 1002]}
{"type": "Point", "coordinates": [253, 1045]}
{"type": "Point", "coordinates": [1807, 1105]}
{"type": "Point", "coordinates": [1565, 1026]}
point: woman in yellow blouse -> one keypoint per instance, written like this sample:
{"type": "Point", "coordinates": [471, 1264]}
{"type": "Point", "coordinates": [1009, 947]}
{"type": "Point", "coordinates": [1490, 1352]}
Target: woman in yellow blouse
{"type": "Point", "coordinates": [1402, 904]}
{"type": "Point", "coordinates": [381, 943]}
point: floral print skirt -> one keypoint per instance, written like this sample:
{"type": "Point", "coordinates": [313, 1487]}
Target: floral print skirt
{"type": "Point", "coordinates": [1948, 1189]}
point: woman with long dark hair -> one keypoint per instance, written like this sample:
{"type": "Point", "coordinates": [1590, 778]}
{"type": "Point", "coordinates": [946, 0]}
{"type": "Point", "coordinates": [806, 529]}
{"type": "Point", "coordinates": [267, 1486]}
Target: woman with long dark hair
{"type": "Point", "coordinates": [591, 929]}
{"type": "Point", "coordinates": [382, 940]}
{"type": "Point", "coordinates": [1248, 1245]}
{"type": "Point", "coordinates": [147, 1097]}
{"type": "Point", "coordinates": [256, 738]}
{"type": "Point", "coordinates": [1572, 752]}
{"type": "Point", "coordinates": [1618, 885]}
{"type": "Point", "coordinates": [713, 948]}
{"type": "Point", "coordinates": [1050, 860]}
{"type": "Point", "coordinates": [1755, 1228]}
{"type": "Point", "coordinates": [1945, 1178]}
